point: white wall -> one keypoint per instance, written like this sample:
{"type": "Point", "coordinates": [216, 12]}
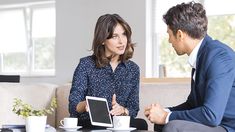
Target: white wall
{"type": "Point", "coordinates": [2, 2]}
{"type": "Point", "coordinates": [75, 21]}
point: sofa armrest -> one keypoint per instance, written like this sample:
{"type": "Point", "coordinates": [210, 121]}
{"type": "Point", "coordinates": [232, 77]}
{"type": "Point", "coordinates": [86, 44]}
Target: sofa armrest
{"type": "Point", "coordinates": [62, 94]}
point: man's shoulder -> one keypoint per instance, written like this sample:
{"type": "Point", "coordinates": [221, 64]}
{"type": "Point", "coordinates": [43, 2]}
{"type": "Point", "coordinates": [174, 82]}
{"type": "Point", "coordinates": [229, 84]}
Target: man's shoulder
{"type": "Point", "coordinates": [217, 52]}
{"type": "Point", "coordinates": [212, 46]}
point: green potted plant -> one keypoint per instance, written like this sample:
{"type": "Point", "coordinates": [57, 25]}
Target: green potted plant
{"type": "Point", "coordinates": [35, 118]}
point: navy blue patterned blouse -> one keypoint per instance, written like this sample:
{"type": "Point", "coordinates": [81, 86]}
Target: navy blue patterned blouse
{"type": "Point", "coordinates": [88, 80]}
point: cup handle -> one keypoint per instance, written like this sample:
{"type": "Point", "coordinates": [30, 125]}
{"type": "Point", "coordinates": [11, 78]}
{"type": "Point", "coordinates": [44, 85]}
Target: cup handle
{"type": "Point", "coordinates": [62, 122]}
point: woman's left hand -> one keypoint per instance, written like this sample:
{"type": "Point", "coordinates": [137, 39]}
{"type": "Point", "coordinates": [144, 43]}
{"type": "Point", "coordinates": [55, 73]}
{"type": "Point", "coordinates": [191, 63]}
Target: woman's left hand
{"type": "Point", "coordinates": [116, 108]}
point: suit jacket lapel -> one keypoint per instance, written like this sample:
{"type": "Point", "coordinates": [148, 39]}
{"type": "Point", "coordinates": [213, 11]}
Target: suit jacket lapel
{"type": "Point", "coordinates": [195, 82]}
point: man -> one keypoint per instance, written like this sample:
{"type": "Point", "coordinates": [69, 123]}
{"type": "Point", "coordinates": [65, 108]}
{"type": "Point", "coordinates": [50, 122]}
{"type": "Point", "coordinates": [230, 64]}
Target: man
{"type": "Point", "coordinates": [210, 106]}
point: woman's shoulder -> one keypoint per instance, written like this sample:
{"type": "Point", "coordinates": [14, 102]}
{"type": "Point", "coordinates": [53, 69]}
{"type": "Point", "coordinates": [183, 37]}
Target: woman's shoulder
{"type": "Point", "coordinates": [132, 64]}
{"type": "Point", "coordinates": [88, 60]}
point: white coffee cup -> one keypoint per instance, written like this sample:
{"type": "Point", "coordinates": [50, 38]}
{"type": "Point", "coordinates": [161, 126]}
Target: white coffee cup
{"type": "Point", "coordinates": [69, 122]}
{"type": "Point", "coordinates": [121, 122]}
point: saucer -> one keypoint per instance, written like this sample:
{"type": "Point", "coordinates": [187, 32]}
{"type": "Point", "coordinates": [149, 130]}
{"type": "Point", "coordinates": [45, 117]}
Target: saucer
{"type": "Point", "coordinates": [122, 129]}
{"type": "Point", "coordinates": [70, 128]}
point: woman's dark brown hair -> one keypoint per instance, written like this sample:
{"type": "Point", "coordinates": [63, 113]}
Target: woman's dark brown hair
{"type": "Point", "coordinates": [104, 29]}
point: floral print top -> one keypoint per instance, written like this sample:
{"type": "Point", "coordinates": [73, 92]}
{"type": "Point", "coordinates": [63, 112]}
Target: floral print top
{"type": "Point", "coordinates": [88, 80]}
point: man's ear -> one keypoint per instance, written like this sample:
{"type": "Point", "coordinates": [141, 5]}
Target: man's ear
{"type": "Point", "coordinates": [180, 35]}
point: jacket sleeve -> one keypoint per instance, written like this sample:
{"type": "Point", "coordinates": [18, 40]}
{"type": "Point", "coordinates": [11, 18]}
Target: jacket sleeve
{"type": "Point", "coordinates": [184, 106]}
{"type": "Point", "coordinates": [219, 78]}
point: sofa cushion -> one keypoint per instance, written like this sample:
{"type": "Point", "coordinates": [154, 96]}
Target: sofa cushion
{"type": "Point", "coordinates": [167, 94]}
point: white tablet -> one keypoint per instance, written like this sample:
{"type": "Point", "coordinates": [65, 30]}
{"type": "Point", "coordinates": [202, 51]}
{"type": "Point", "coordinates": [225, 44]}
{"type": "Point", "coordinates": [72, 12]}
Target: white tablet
{"type": "Point", "coordinates": [99, 111]}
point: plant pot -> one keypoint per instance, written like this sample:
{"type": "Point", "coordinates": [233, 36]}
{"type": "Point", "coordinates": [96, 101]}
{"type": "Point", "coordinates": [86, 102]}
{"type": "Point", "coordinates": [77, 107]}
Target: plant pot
{"type": "Point", "coordinates": [36, 123]}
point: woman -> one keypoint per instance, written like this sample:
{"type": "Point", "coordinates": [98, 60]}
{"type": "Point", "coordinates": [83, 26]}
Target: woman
{"type": "Point", "coordinates": [108, 73]}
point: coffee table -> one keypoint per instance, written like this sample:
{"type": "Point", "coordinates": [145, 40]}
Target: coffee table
{"type": "Point", "coordinates": [100, 130]}
{"type": "Point", "coordinates": [52, 129]}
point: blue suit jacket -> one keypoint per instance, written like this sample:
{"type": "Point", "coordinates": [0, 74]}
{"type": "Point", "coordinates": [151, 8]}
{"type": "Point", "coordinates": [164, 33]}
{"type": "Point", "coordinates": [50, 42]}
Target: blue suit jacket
{"type": "Point", "coordinates": [212, 98]}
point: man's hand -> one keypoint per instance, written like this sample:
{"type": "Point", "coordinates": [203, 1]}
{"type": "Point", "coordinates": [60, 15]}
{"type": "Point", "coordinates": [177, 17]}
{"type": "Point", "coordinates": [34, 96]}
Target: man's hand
{"type": "Point", "coordinates": [156, 113]}
{"type": "Point", "coordinates": [116, 108]}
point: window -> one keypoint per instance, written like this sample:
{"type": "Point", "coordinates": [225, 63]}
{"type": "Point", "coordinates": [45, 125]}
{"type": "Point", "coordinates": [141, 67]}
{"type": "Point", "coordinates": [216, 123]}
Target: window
{"type": "Point", "coordinates": [27, 42]}
{"type": "Point", "coordinates": [221, 26]}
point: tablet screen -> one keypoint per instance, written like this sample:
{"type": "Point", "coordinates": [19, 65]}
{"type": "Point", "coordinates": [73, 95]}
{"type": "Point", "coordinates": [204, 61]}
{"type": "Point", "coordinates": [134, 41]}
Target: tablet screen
{"type": "Point", "coordinates": [99, 111]}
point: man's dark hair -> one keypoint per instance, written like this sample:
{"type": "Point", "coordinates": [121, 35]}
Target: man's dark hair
{"type": "Point", "coordinates": [188, 17]}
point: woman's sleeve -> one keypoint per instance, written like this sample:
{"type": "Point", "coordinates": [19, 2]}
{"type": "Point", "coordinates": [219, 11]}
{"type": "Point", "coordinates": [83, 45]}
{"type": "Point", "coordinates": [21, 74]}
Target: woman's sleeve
{"type": "Point", "coordinates": [133, 99]}
{"type": "Point", "coordinates": [79, 87]}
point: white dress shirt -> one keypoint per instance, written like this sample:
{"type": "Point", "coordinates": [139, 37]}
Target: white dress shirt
{"type": "Point", "coordinates": [192, 62]}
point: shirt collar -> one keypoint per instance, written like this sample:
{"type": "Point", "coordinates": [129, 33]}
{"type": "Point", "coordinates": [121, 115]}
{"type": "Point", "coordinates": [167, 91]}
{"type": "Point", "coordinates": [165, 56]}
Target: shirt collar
{"type": "Point", "coordinates": [120, 64]}
{"type": "Point", "coordinates": [193, 56]}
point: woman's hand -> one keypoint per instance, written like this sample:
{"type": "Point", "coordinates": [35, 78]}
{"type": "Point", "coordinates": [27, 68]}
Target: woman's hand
{"type": "Point", "coordinates": [116, 108]}
{"type": "Point", "coordinates": [82, 107]}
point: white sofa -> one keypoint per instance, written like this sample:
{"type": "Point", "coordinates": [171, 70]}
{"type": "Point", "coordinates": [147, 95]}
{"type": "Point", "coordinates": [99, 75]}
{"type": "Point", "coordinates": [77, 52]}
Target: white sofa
{"type": "Point", "coordinates": [39, 95]}
{"type": "Point", "coordinates": [167, 94]}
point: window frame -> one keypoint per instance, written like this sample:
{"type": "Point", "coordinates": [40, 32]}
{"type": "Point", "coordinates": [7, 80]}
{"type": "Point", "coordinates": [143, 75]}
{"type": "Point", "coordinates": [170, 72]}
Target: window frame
{"type": "Point", "coordinates": [152, 49]}
{"type": "Point", "coordinates": [28, 18]}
